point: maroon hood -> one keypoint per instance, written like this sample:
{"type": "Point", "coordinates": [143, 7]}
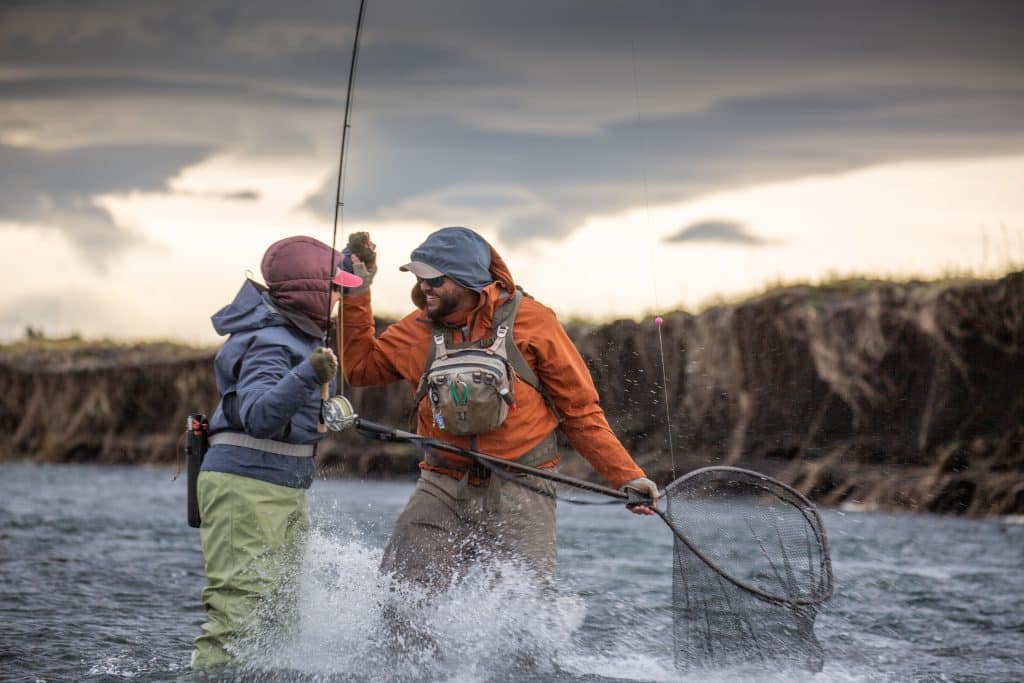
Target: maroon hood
{"type": "Point", "coordinates": [298, 273]}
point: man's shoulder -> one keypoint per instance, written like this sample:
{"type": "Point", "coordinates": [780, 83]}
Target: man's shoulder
{"type": "Point", "coordinates": [531, 307]}
{"type": "Point", "coordinates": [536, 322]}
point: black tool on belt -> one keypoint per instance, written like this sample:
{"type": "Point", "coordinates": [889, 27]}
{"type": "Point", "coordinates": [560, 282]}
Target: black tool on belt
{"type": "Point", "coordinates": [196, 444]}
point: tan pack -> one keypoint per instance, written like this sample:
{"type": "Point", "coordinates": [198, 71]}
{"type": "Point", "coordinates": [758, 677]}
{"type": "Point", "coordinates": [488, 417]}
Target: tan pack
{"type": "Point", "coordinates": [471, 387]}
{"type": "Point", "coordinates": [470, 390]}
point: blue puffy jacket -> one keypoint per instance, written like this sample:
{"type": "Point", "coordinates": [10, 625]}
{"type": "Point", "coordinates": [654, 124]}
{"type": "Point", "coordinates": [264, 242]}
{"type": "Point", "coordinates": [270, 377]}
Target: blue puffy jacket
{"type": "Point", "coordinates": [268, 390]}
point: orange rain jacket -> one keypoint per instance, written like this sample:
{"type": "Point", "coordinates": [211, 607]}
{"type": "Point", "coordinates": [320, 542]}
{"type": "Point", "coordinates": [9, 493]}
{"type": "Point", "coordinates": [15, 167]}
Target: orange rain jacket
{"type": "Point", "coordinates": [401, 353]}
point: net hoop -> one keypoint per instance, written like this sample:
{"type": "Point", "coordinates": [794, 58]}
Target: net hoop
{"type": "Point", "coordinates": [806, 509]}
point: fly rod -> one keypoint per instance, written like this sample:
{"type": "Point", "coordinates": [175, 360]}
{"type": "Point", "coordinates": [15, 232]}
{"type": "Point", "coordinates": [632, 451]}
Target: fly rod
{"type": "Point", "coordinates": [341, 405]}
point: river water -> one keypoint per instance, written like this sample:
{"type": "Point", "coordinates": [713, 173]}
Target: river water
{"type": "Point", "coordinates": [100, 579]}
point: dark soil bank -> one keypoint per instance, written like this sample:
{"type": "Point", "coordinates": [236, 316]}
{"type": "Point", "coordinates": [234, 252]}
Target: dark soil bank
{"type": "Point", "coordinates": [907, 396]}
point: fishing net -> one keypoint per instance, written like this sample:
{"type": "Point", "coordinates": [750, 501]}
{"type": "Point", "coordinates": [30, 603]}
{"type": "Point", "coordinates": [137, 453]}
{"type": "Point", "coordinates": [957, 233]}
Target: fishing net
{"type": "Point", "coordinates": [750, 570]}
{"type": "Point", "coordinates": [750, 561]}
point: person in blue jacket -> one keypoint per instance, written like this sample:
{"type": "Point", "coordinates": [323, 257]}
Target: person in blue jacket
{"type": "Point", "coordinates": [263, 437]}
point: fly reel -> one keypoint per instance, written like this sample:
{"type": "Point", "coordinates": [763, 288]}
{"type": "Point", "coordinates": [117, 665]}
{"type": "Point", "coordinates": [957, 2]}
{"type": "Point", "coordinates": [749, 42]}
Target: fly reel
{"type": "Point", "coordinates": [339, 414]}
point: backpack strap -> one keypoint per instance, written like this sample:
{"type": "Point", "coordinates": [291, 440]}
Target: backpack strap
{"type": "Point", "coordinates": [506, 315]}
{"type": "Point", "coordinates": [437, 350]}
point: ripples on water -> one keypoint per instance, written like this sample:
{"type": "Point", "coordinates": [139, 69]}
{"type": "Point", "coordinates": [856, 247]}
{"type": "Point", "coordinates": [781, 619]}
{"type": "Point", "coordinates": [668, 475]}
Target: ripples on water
{"type": "Point", "coordinates": [100, 580]}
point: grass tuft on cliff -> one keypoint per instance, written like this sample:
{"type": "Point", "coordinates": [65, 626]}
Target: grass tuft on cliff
{"type": "Point", "coordinates": [855, 283]}
{"type": "Point", "coordinates": [38, 352]}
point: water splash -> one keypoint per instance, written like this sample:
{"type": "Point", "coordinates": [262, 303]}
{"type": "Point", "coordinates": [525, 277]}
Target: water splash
{"type": "Point", "coordinates": [495, 622]}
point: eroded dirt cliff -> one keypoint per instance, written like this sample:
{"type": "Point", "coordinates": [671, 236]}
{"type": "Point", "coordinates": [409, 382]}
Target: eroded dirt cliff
{"type": "Point", "coordinates": [895, 396]}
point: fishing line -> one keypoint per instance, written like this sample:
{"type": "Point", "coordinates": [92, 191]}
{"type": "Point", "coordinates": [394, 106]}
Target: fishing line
{"type": "Point", "coordinates": [664, 386]}
{"type": "Point", "coordinates": [658, 320]}
{"type": "Point", "coordinates": [643, 168]}
{"type": "Point", "coordinates": [339, 192]}
{"type": "Point", "coordinates": [764, 538]}
{"type": "Point", "coordinates": [339, 409]}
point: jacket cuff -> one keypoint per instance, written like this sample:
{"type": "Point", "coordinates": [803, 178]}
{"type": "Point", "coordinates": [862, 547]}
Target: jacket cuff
{"type": "Point", "coordinates": [358, 309]}
{"type": "Point", "coordinates": [305, 372]}
{"type": "Point", "coordinates": [621, 480]}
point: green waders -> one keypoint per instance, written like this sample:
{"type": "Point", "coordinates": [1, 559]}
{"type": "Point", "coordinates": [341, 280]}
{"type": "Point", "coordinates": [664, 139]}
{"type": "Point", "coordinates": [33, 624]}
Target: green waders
{"type": "Point", "coordinates": [253, 535]}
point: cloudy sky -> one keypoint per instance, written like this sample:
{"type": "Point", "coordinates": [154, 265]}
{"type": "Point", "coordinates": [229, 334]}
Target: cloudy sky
{"type": "Point", "coordinates": [625, 156]}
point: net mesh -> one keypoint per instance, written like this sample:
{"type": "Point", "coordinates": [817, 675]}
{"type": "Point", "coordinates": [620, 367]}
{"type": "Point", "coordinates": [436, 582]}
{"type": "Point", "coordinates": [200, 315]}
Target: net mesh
{"type": "Point", "coordinates": [750, 570]}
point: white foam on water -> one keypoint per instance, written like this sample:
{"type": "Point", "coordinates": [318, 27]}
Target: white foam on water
{"type": "Point", "coordinates": [495, 623]}
{"type": "Point", "coordinates": [854, 506]}
{"type": "Point", "coordinates": [127, 665]}
{"type": "Point", "coordinates": [626, 666]}
{"type": "Point", "coordinates": [122, 666]}
{"type": "Point", "coordinates": [494, 619]}
{"type": "Point", "coordinates": [623, 665]}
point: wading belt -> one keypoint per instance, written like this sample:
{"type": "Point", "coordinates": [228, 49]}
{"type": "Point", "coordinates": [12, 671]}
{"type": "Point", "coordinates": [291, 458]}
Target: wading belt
{"type": "Point", "coordinates": [296, 450]}
{"type": "Point", "coordinates": [541, 454]}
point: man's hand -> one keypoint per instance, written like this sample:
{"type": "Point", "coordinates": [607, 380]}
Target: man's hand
{"type": "Point", "coordinates": [325, 363]}
{"type": "Point", "coordinates": [645, 487]}
{"type": "Point", "coordinates": [360, 259]}
{"type": "Point", "coordinates": [360, 244]}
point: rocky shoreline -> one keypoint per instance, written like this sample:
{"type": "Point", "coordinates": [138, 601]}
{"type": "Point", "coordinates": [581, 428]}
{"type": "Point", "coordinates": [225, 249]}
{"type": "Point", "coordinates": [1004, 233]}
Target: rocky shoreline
{"type": "Point", "coordinates": [888, 396]}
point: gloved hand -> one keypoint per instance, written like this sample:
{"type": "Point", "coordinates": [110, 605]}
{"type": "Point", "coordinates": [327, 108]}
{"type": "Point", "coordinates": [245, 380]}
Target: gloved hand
{"type": "Point", "coordinates": [643, 486]}
{"type": "Point", "coordinates": [325, 363]}
{"type": "Point", "coordinates": [360, 258]}
{"type": "Point", "coordinates": [360, 244]}
{"type": "Point", "coordinates": [360, 269]}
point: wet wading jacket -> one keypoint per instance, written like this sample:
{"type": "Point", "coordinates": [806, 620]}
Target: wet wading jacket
{"type": "Point", "coordinates": [268, 389]}
{"type": "Point", "coordinates": [401, 353]}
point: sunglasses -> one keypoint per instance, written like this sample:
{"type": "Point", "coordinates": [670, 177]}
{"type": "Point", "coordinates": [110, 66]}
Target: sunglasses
{"type": "Point", "coordinates": [433, 282]}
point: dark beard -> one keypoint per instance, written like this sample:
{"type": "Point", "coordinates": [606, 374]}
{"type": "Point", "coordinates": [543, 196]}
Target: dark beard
{"type": "Point", "coordinates": [449, 304]}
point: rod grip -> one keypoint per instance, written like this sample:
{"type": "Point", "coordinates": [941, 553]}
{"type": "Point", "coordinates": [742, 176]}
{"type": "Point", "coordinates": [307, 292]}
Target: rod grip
{"type": "Point", "coordinates": [325, 393]}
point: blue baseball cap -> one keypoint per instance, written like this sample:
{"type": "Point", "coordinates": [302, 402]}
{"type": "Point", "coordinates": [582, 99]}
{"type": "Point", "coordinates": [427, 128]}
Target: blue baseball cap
{"type": "Point", "coordinates": [458, 253]}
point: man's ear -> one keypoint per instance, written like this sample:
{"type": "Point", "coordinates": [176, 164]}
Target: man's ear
{"type": "Point", "coordinates": [419, 299]}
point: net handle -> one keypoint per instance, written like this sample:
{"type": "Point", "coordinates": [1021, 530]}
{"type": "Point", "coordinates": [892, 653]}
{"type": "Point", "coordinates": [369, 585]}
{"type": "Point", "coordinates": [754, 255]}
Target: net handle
{"type": "Point", "coordinates": [817, 525]}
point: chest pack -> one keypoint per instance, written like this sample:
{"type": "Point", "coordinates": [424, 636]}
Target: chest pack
{"type": "Point", "coordinates": [471, 386]}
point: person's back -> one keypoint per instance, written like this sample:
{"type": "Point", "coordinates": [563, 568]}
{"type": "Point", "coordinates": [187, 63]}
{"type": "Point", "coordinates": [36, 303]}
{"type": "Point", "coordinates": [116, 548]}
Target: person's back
{"type": "Point", "coordinates": [262, 436]}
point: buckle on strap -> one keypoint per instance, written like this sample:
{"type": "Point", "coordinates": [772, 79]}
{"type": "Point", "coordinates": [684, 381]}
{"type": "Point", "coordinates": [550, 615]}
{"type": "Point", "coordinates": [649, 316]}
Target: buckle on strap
{"type": "Point", "coordinates": [476, 472]}
{"type": "Point", "coordinates": [435, 459]}
{"type": "Point", "coordinates": [295, 450]}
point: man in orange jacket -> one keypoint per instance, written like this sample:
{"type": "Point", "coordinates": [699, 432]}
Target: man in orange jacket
{"type": "Point", "coordinates": [460, 514]}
